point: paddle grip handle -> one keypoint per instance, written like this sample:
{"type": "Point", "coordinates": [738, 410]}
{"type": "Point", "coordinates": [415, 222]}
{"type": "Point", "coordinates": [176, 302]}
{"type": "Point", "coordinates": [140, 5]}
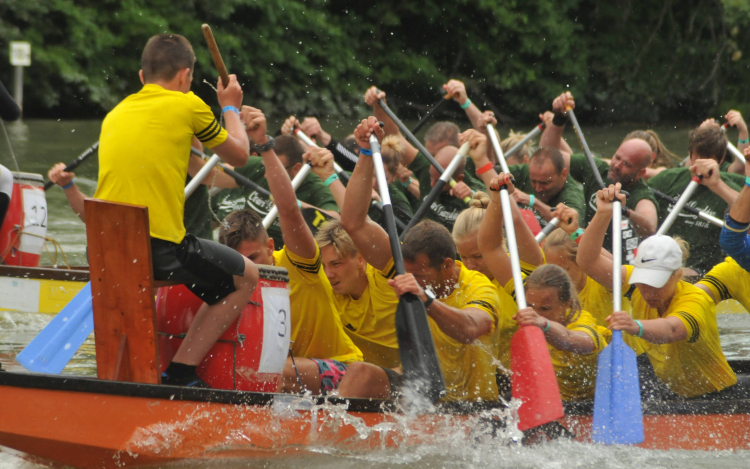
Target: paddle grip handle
{"type": "Point", "coordinates": [549, 228]}
{"type": "Point", "coordinates": [215, 54]}
{"type": "Point", "coordinates": [76, 162]}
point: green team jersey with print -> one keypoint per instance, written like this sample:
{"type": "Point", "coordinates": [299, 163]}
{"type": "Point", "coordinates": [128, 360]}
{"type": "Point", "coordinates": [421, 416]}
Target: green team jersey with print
{"type": "Point", "coordinates": [581, 170]}
{"type": "Point", "coordinates": [445, 208]}
{"type": "Point", "coordinates": [312, 191]}
{"type": "Point", "coordinates": [702, 236]}
{"type": "Point", "coordinates": [570, 195]}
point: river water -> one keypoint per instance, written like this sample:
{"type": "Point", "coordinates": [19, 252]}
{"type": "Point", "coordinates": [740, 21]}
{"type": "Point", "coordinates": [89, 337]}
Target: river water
{"type": "Point", "coordinates": [38, 144]}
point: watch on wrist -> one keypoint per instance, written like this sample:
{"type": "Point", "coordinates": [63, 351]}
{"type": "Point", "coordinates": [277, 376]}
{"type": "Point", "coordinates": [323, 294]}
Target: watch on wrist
{"type": "Point", "coordinates": [430, 298]}
{"type": "Point", "coordinates": [269, 145]}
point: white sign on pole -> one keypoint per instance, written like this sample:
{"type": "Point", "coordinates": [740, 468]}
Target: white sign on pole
{"type": "Point", "coordinates": [20, 54]}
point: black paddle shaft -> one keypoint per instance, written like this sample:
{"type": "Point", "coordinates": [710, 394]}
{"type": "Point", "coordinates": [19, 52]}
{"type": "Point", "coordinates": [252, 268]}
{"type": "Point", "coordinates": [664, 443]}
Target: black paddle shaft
{"type": "Point", "coordinates": [410, 136]}
{"type": "Point", "coordinates": [426, 204]}
{"type": "Point", "coordinates": [429, 115]}
{"type": "Point", "coordinates": [76, 162]}
{"type": "Point", "coordinates": [415, 343]}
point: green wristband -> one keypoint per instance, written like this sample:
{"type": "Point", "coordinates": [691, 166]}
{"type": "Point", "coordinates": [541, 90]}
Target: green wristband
{"type": "Point", "coordinates": [743, 142]}
{"type": "Point", "coordinates": [576, 234]}
{"type": "Point", "coordinates": [465, 105]}
{"type": "Point", "coordinates": [531, 200]}
{"type": "Point", "coordinates": [640, 328]}
{"type": "Point", "coordinates": [331, 178]}
{"type": "Point", "coordinates": [546, 328]}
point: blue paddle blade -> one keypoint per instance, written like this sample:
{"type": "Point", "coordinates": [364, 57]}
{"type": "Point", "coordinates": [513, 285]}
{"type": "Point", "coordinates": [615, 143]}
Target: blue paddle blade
{"type": "Point", "coordinates": [56, 344]}
{"type": "Point", "coordinates": [618, 417]}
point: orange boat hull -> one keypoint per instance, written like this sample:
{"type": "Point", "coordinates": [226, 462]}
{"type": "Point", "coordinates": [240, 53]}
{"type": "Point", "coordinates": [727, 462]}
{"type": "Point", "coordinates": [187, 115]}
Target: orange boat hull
{"type": "Point", "coordinates": [98, 428]}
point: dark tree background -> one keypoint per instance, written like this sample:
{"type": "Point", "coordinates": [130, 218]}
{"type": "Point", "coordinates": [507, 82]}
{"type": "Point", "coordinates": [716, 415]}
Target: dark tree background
{"type": "Point", "coordinates": [629, 60]}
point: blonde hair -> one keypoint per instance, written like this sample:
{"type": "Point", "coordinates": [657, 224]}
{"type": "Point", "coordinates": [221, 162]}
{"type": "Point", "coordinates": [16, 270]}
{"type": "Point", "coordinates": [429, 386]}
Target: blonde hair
{"type": "Point", "coordinates": [332, 233]}
{"type": "Point", "coordinates": [559, 239]}
{"type": "Point", "coordinates": [467, 223]}
{"type": "Point", "coordinates": [553, 276]}
{"type": "Point", "coordinates": [664, 157]}
{"type": "Point", "coordinates": [684, 247]}
{"type": "Point", "coordinates": [392, 151]}
{"type": "Point", "coordinates": [513, 138]}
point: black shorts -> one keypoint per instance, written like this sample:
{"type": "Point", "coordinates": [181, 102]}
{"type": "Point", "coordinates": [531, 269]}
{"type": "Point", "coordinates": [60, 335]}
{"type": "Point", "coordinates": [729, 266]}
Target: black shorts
{"type": "Point", "coordinates": [205, 267]}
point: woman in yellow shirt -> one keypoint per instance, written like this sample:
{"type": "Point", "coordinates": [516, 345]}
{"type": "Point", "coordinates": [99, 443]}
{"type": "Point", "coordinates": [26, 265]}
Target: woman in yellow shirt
{"type": "Point", "coordinates": [561, 249]}
{"type": "Point", "coordinates": [673, 322]}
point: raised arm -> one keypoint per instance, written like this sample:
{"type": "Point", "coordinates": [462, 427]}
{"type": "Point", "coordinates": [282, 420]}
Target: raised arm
{"type": "Point", "coordinates": [370, 238]}
{"type": "Point", "coordinates": [490, 236]}
{"type": "Point", "coordinates": [457, 91]}
{"type": "Point", "coordinates": [236, 148]}
{"type": "Point", "coordinates": [371, 98]}
{"type": "Point", "coordinates": [553, 132]}
{"type": "Point", "coordinates": [734, 239]}
{"type": "Point", "coordinates": [322, 165]}
{"type": "Point", "coordinates": [589, 259]}
{"type": "Point", "coordinates": [710, 175]}
{"type": "Point", "coordinates": [297, 235]}
{"type": "Point", "coordinates": [734, 118]}
{"type": "Point", "coordinates": [478, 152]}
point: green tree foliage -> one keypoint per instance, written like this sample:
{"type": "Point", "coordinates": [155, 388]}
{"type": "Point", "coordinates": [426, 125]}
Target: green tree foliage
{"type": "Point", "coordinates": [640, 60]}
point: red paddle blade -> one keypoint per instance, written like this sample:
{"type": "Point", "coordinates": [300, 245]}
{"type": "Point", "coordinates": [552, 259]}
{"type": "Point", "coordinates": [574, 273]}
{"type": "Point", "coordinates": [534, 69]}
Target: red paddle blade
{"type": "Point", "coordinates": [533, 380]}
{"type": "Point", "coordinates": [531, 221]}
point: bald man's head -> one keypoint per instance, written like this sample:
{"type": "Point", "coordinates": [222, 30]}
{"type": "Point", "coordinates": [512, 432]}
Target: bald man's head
{"type": "Point", "coordinates": [444, 158]}
{"type": "Point", "coordinates": [629, 162]}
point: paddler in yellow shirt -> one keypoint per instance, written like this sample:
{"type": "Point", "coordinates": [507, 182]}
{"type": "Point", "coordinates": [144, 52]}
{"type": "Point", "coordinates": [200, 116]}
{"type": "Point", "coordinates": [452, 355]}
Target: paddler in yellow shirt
{"type": "Point", "coordinates": [727, 281]}
{"type": "Point", "coordinates": [561, 248]}
{"type": "Point", "coordinates": [673, 325]}
{"type": "Point", "coordinates": [321, 349]}
{"type": "Point", "coordinates": [461, 304]}
{"type": "Point", "coordinates": [363, 298]}
{"type": "Point", "coordinates": [572, 335]}
{"type": "Point", "coordinates": [466, 236]}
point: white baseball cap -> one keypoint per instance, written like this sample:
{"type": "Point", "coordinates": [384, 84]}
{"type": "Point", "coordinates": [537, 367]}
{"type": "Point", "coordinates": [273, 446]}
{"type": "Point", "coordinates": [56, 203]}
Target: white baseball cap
{"type": "Point", "coordinates": [657, 259]}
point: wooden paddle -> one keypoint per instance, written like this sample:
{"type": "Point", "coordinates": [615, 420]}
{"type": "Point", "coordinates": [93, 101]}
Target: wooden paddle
{"type": "Point", "coordinates": [215, 54]}
{"type": "Point", "coordinates": [76, 162]}
{"type": "Point", "coordinates": [533, 379]}
{"type": "Point", "coordinates": [618, 417]}
{"type": "Point", "coordinates": [439, 105]}
{"type": "Point", "coordinates": [437, 188]}
{"type": "Point", "coordinates": [415, 344]}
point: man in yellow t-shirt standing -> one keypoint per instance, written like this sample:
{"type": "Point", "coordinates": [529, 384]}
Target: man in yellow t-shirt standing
{"type": "Point", "coordinates": [462, 306]}
{"type": "Point", "coordinates": [143, 159]}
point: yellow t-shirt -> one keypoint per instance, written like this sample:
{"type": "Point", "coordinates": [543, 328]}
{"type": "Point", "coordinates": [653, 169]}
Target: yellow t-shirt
{"type": "Point", "coordinates": [729, 281]}
{"type": "Point", "coordinates": [316, 328]}
{"type": "Point", "coordinates": [597, 300]}
{"type": "Point", "coordinates": [144, 151]}
{"type": "Point", "coordinates": [695, 365]}
{"type": "Point", "coordinates": [370, 320]}
{"type": "Point", "coordinates": [576, 373]}
{"type": "Point", "coordinates": [508, 309]}
{"type": "Point", "coordinates": [469, 369]}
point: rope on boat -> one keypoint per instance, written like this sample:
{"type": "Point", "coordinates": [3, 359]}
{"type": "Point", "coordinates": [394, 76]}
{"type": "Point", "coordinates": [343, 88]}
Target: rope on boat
{"type": "Point", "coordinates": [54, 242]}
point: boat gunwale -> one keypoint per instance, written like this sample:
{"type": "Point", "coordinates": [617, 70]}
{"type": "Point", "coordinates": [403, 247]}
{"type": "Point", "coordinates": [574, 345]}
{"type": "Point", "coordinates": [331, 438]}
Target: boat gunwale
{"type": "Point", "coordinates": [248, 398]}
{"type": "Point", "coordinates": [74, 274]}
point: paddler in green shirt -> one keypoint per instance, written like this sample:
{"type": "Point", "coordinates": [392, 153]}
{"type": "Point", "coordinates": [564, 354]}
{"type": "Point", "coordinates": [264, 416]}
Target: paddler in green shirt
{"type": "Point", "coordinates": [312, 191]}
{"type": "Point", "coordinates": [449, 203]}
{"type": "Point", "coordinates": [628, 166]}
{"type": "Point", "coordinates": [707, 146]}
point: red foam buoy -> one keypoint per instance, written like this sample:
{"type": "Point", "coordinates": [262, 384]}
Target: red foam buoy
{"type": "Point", "coordinates": [24, 230]}
{"type": "Point", "coordinates": [251, 353]}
